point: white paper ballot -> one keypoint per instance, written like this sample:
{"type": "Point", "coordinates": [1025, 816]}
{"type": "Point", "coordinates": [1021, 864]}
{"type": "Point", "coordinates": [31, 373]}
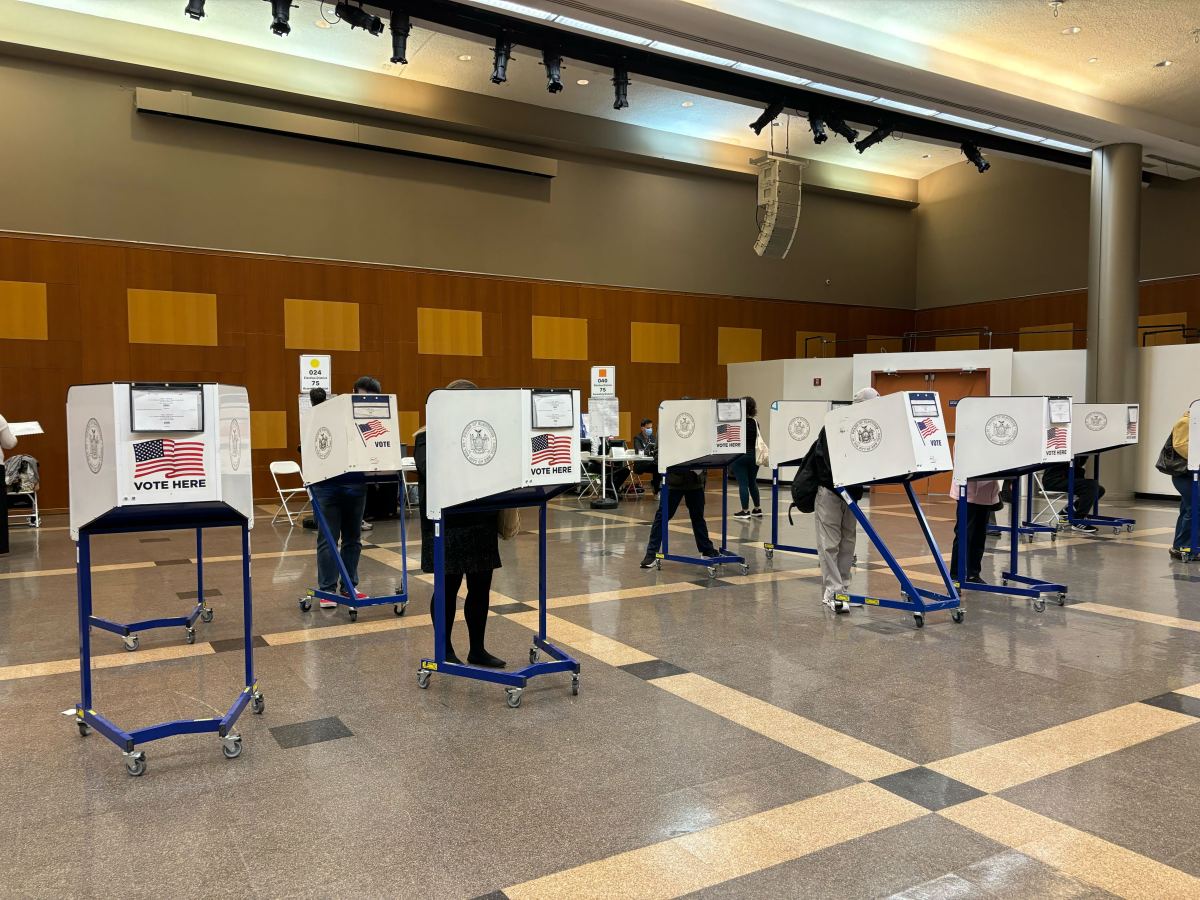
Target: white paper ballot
{"type": "Point", "coordinates": [1133, 415]}
{"type": "Point", "coordinates": [166, 409]}
{"type": "Point", "coordinates": [729, 411]}
{"type": "Point", "coordinates": [1060, 410]}
{"type": "Point", "coordinates": [24, 429]}
{"type": "Point", "coordinates": [603, 417]}
{"type": "Point", "coordinates": [553, 410]}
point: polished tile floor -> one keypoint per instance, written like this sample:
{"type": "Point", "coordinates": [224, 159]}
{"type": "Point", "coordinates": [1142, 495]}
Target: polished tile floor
{"type": "Point", "coordinates": [732, 737]}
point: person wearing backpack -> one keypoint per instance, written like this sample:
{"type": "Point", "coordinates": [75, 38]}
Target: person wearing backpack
{"type": "Point", "coordinates": [745, 467]}
{"type": "Point", "coordinates": [1173, 461]}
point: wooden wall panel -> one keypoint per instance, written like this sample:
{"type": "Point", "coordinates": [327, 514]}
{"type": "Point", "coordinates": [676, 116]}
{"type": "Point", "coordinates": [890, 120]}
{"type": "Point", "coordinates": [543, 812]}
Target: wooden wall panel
{"type": "Point", "coordinates": [1056, 336]}
{"type": "Point", "coordinates": [23, 311]}
{"type": "Point", "coordinates": [171, 317]}
{"type": "Point", "coordinates": [321, 325]}
{"type": "Point", "coordinates": [1162, 329]}
{"type": "Point", "coordinates": [559, 337]}
{"type": "Point", "coordinates": [268, 429]}
{"type": "Point", "coordinates": [653, 342]}
{"type": "Point", "coordinates": [737, 345]}
{"type": "Point", "coordinates": [449, 332]}
{"type": "Point", "coordinates": [806, 349]}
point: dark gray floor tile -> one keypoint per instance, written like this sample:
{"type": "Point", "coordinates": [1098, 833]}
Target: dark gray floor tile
{"type": "Point", "coordinates": [226, 644]}
{"type": "Point", "coordinates": [172, 562]}
{"type": "Point", "coordinates": [1180, 703]}
{"type": "Point", "coordinates": [317, 731]}
{"type": "Point", "coordinates": [653, 668]}
{"type": "Point", "coordinates": [927, 788]}
{"type": "Point", "coordinates": [195, 595]}
{"type": "Point", "coordinates": [504, 609]}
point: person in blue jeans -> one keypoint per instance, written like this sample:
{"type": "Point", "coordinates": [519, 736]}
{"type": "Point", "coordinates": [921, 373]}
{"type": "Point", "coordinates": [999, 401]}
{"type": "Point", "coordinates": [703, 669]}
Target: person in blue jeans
{"type": "Point", "coordinates": [1173, 461]}
{"type": "Point", "coordinates": [342, 500]}
{"type": "Point", "coordinates": [745, 468]}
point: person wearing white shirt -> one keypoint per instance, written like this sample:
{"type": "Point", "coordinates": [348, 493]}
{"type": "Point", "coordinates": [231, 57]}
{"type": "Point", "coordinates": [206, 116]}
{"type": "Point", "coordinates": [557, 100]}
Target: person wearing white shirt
{"type": "Point", "coordinates": [8, 440]}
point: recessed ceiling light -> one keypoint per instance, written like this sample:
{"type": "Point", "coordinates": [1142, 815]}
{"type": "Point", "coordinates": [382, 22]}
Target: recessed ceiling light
{"type": "Point", "coordinates": [1022, 135]}
{"type": "Point", "coordinates": [959, 120]}
{"type": "Point", "coordinates": [519, 8]}
{"type": "Point", "coordinates": [1162, 64]}
{"type": "Point", "coordinates": [466, 57]}
{"type": "Point", "coordinates": [689, 53]}
{"type": "Point", "coordinates": [1072, 29]}
{"type": "Point", "coordinates": [1062, 145]}
{"type": "Point", "coordinates": [926, 155]}
{"type": "Point", "coordinates": [583, 82]}
{"type": "Point", "coordinates": [842, 92]}
{"type": "Point", "coordinates": [321, 23]}
{"type": "Point", "coordinates": [771, 73]}
{"type": "Point", "coordinates": [1093, 59]}
{"type": "Point", "coordinates": [906, 107]}
{"type": "Point", "coordinates": [687, 104]}
{"type": "Point", "coordinates": [601, 30]}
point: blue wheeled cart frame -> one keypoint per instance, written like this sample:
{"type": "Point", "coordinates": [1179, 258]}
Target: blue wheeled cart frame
{"type": "Point", "coordinates": [202, 611]}
{"type": "Point", "coordinates": [774, 545]}
{"type": "Point", "coordinates": [352, 602]}
{"type": "Point", "coordinates": [1028, 527]}
{"type": "Point", "coordinates": [1116, 523]}
{"type": "Point", "coordinates": [86, 718]}
{"type": "Point", "coordinates": [1014, 583]}
{"type": "Point", "coordinates": [709, 562]}
{"type": "Point", "coordinates": [1193, 552]}
{"type": "Point", "coordinates": [516, 681]}
{"type": "Point", "coordinates": [918, 601]}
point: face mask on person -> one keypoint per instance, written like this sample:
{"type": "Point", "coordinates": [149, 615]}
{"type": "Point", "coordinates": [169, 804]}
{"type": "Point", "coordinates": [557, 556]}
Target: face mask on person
{"type": "Point", "coordinates": [649, 429]}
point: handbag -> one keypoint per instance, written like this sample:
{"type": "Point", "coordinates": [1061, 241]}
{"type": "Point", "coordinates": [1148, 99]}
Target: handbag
{"type": "Point", "coordinates": [508, 523]}
{"type": "Point", "coordinates": [762, 453]}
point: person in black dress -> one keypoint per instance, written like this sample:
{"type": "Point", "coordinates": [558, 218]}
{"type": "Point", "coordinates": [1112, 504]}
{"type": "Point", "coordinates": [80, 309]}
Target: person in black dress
{"type": "Point", "coordinates": [472, 542]}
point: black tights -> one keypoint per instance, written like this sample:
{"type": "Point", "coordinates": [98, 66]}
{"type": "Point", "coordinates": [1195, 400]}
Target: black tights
{"type": "Point", "coordinates": [475, 609]}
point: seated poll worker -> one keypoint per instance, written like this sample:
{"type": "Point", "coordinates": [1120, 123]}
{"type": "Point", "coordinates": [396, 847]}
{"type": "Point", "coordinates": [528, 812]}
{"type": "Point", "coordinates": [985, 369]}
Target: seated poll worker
{"type": "Point", "coordinates": [1173, 461]}
{"type": "Point", "coordinates": [472, 548]}
{"type": "Point", "coordinates": [982, 499]}
{"type": "Point", "coordinates": [1087, 490]}
{"type": "Point", "coordinates": [8, 440]}
{"type": "Point", "coordinates": [645, 443]}
{"type": "Point", "coordinates": [342, 501]}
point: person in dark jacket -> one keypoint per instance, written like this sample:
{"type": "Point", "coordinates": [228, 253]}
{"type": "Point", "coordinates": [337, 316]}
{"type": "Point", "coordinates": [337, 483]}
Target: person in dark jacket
{"type": "Point", "coordinates": [1087, 490]}
{"type": "Point", "coordinates": [745, 467]}
{"type": "Point", "coordinates": [687, 486]}
{"type": "Point", "coordinates": [645, 443]}
{"type": "Point", "coordinates": [472, 551]}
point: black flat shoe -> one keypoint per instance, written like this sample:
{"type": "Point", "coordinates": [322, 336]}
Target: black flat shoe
{"type": "Point", "coordinates": [486, 660]}
{"type": "Point", "coordinates": [452, 657]}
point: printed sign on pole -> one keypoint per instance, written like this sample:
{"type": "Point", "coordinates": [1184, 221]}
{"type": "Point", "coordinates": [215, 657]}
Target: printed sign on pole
{"type": "Point", "coordinates": [604, 381]}
{"type": "Point", "coordinates": [316, 371]}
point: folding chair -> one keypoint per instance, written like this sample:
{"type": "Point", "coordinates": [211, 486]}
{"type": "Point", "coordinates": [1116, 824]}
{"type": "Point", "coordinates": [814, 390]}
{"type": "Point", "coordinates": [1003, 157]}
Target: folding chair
{"type": "Point", "coordinates": [30, 515]}
{"type": "Point", "coordinates": [1048, 506]}
{"type": "Point", "coordinates": [287, 467]}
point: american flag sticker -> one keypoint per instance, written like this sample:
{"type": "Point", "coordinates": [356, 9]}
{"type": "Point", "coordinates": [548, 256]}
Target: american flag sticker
{"type": "Point", "coordinates": [371, 430]}
{"type": "Point", "coordinates": [927, 427]}
{"type": "Point", "coordinates": [1056, 438]}
{"type": "Point", "coordinates": [1131, 431]}
{"type": "Point", "coordinates": [729, 433]}
{"type": "Point", "coordinates": [550, 450]}
{"type": "Point", "coordinates": [168, 459]}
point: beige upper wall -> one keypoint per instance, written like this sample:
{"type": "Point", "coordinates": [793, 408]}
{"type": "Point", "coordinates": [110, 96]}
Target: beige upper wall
{"type": "Point", "coordinates": [1022, 228]}
{"type": "Point", "coordinates": [91, 166]}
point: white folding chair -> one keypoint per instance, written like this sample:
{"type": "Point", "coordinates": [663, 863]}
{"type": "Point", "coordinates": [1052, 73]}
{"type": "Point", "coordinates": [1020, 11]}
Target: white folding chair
{"type": "Point", "coordinates": [31, 516]}
{"type": "Point", "coordinates": [287, 467]}
{"type": "Point", "coordinates": [1048, 506]}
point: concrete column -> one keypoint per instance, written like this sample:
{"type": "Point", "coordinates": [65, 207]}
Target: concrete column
{"type": "Point", "coordinates": [1114, 262]}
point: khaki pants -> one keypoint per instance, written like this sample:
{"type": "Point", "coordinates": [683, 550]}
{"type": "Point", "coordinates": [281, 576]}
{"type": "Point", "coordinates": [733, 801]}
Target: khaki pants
{"type": "Point", "coordinates": [836, 530]}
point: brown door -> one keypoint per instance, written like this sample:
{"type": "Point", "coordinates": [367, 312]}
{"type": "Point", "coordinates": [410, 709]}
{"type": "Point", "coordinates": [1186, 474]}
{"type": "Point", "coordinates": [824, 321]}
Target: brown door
{"type": "Point", "coordinates": [951, 385]}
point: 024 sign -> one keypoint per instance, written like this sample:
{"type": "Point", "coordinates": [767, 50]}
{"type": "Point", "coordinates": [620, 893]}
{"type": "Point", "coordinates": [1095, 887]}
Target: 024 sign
{"type": "Point", "coordinates": [316, 371]}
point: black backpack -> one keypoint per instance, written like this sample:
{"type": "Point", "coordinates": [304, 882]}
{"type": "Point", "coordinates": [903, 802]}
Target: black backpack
{"type": "Point", "coordinates": [805, 485]}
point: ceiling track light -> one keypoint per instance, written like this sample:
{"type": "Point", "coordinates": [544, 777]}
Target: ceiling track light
{"type": "Point", "coordinates": [281, 11]}
{"type": "Point", "coordinates": [769, 115]}
{"type": "Point", "coordinates": [502, 53]}
{"type": "Point", "coordinates": [194, 9]}
{"type": "Point", "coordinates": [883, 132]}
{"type": "Point", "coordinates": [357, 17]}
{"type": "Point", "coordinates": [817, 124]}
{"type": "Point", "coordinates": [620, 82]}
{"type": "Point", "coordinates": [552, 60]}
{"type": "Point", "coordinates": [838, 124]}
{"type": "Point", "coordinates": [971, 152]}
{"type": "Point", "coordinates": [401, 28]}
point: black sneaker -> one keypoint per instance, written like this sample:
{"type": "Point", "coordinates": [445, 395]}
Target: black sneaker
{"type": "Point", "coordinates": [756, 512]}
{"type": "Point", "coordinates": [709, 554]}
{"type": "Point", "coordinates": [742, 514]}
{"type": "Point", "coordinates": [1084, 529]}
{"type": "Point", "coordinates": [648, 561]}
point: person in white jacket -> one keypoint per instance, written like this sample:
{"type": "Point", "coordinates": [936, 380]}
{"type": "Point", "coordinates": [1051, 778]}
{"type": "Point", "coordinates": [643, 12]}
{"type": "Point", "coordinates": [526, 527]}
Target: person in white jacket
{"type": "Point", "coordinates": [8, 440]}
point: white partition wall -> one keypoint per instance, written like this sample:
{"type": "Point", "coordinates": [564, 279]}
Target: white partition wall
{"type": "Point", "coordinates": [1002, 434]}
{"type": "Point", "coordinates": [893, 437]}
{"type": "Point", "coordinates": [351, 433]}
{"type": "Point", "coordinates": [1104, 426]}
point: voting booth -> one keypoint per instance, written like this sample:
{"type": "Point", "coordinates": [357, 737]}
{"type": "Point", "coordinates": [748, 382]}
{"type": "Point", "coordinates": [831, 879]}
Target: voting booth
{"type": "Point", "coordinates": [895, 439]}
{"type": "Point", "coordinates": [1100, 427]}
{"type": "Point", "coordinates": [795, 425]}
{"type": "Point", "coordinates": [1001, 438]}
{"type": "Point", "coordinates": [159, 457]}
{"type": "Point", "coordinates": [493, 450]}
{"type": "Point", "coordinates": [700, 434]}
{"type": "Point", "coordinates": [352, 434]}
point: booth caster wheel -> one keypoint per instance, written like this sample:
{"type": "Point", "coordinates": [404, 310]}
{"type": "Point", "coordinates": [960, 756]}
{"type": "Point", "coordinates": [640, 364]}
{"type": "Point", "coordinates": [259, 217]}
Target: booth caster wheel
{"type": "Point", "coordinates": [131, 642]}
{"type": "Point", "coordinates": [1129, 528]}
{"type": "Point", "coordinates": [84, 728]}
{"type": "Point", "coordinates": [770, 553]}
{"type": "Point", "coordinates": [231, 746]}
{"type": "Point", "coordinates": [575, 685]}
{"type": "Point", "coordinates": [658, 564]}
{"type": "Point", "coordinates": [514, 696]}
{"type": "Point", "coordinates": [305, 604]}
{"type": "Point", "coordinates": [191, 635]}
{"type": "Point", "coordinates": [353, 614]}
{"type": "Point", "coordinates": [258, 703]}
{"type": "Point", "coordinates": [1004, 583]}
{"type": "Point", "coordinates": [712, 571]}
{"type": "Point", "coordinates": [135, 763]}
{"type": "Point", "coordinates": [1054, 537]}
{"type": "Point", "coordinates": [423, 679]}
{"type": "Point", "coordinates": [206, 614]}
{"type": "Point", "coordinates": [957, 615]}
{"type": "Point", "coordinates": [533, 655]}
{"type": "Point", "coordinates": [1061, 599]}
{"type": "Point", "coordinates": [1116, 529]}
{"type": "Point", "coordinates": [1039, 605]}
{"type": "Point", "coordinates": [400, 608]}
{"type": "Point", "coordinates": [745, 569]}
{"type": "Point", "coordinates": [919, 620]}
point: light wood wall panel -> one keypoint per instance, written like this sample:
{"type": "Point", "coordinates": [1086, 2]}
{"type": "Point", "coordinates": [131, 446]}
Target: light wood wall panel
{"type": "Point", "coordinates": [268, 429]}
{"type": "Point", "coordinates": [449, 332]}
{"type": "Point", "coordinates": [1047, 337]}
{"type": "Point", "coordinates": [956, 342]}
{"type": "Point", "coordinates": [1147, 325]}
{"type": "Point", "coordinates": [559, 337]}
{"type": "Point", "coordinates": [172, 317]}
{"type": "Point", "coordinates": [410, 421]}
{"type": "Point", "coordinates": [737, 345]}
{"type": "Point", "coordinates": [653, 342]}
{"type": "Point", "coordinates": [320, 325]}
{"type": "Point", "coordinates": [806, 349]}
{"type": "Point", "coordinates": [23, 315]}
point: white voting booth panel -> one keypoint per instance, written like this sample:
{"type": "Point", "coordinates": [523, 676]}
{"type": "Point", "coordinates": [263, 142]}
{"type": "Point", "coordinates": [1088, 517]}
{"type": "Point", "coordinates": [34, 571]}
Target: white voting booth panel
{"type": "Point", "coordinates": [1103, 426]}
{"type": "Point", "coordinates": [795, 425]}
{"type": "Point", "coordinates": [481, 443]}
{"type": "Point", "coordinates": [888, 438]}
{"type": "Point", "coordinates": [700, 431]}
{"type": "Point", "coordinates": [1194, 438]}
{"type": "Point", "coordinates": [351, 433]}
{"type": "Point", "coordinates": [135, 445]}
{"type": "Point", "coordinates": [1005, 434]}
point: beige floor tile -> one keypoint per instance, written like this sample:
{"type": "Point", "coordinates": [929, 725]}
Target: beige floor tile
{"type": "Point", "coordinates": [602, 648]}
{"type": "Point", "coordinates": [650, 590]}
{"type": "Point", "coordinates": [1137, 615]}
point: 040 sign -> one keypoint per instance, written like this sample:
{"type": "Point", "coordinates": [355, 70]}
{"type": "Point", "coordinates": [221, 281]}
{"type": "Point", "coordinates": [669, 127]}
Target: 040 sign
{"type": "Point", "coordinates": [316, 371]}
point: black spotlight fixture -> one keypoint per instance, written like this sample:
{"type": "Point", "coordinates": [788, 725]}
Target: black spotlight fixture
{"type": "Point", "coordinates": [281, 11]}
{"type": "Point", "coordinates": [881, 133]}
{"type": "Point", "coordinates": [620, 82]}
{"type": "Point", "coordinates": [817, 124]}
{"type": "Point", "coordinates": [194, 9]}
{"type": "Point", "coordinates": [838, 124]}
{"type": "Point", "coordinates": [971, 152]}
{"type": "Point", "coordinates": [552, 60]}
{"type": "Point", "coordinates": [502, 53]}
{"type": "Point", "coordinates": [359, 18]}
{"type": "Point", "coordinates": [770, 114]}
{"type": "Point", "coordinates": [401, 27]}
